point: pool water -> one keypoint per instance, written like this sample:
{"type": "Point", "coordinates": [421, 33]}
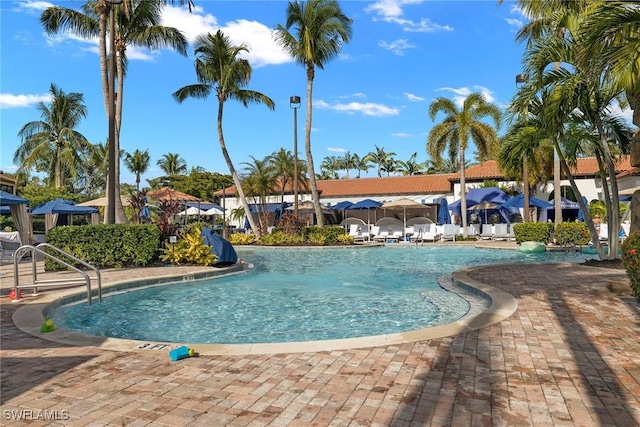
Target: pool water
{"type": "Point", "coordinates": [299, 294]}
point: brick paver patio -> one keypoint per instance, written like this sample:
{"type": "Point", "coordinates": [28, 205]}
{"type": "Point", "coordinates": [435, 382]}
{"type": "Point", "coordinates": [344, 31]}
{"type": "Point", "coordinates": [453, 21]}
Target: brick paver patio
{"type": "Point", "coordinates": [569, 356]}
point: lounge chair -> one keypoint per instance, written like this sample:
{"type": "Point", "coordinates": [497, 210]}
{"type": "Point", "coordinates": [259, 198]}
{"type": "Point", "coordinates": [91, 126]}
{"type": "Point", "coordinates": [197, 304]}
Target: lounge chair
{"type": "Point", "coordinates": [425, 233]}
{"type": "Point", "coordinates": [487, 231]}
{"type": "Point", "coordinates": [450, 231]}
{"type": "Point", "coordinates": [381, 234]}
{"type": "Point", "coordinates": [396, 233]}
{"type": "Point", "coordinates": [501, 232]}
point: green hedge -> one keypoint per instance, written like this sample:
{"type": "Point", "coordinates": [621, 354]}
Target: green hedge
{"type": "Point", "coordinates": [107, 246]}
{"type": "Point", "coordinates": [533, 232]}
{"type": "Point", "coordinates": [572, 233]}
{"type": "Point", "coordinates": [631, 261]}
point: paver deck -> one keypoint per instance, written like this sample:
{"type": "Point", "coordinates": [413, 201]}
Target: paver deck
{"type": "Point", "coordinates": [568, 356]}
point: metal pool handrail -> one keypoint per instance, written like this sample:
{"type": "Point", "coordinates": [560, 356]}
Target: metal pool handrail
{"type": "Point", "coordinates": [22, 250]}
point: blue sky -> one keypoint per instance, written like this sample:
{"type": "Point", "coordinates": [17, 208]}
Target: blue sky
{"type": "Point", "coordinates": [403, 55]}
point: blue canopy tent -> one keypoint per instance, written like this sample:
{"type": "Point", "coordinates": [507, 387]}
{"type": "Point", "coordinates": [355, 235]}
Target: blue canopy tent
{"type": "Point", "coordinates": [7, 199]}
{"type": "Point", "coordinates": [518, 202]}
{"type": "Point", "coordinates": [444, 217]}
{"type": "Point", "coordinates": [277, 209]}
{"type": "Point", "coordinates": [570, 210]}
{"type": "Point", "coordinates": [54, 208]}
{"type": "Point", "coordinates": [222, 248]}
{"type": "Point", "coordinates": [341, 206]}
{"type": "Point", "coordinates": [486, 196]}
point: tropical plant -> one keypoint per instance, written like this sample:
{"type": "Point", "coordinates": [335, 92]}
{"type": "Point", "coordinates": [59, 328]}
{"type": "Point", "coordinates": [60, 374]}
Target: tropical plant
{"type": "Point", "coordinates": [361, 164]}
{"type": "Point", "coordinates": [412, 166]}
{"type": "Point", "coordinates": [54, 140]}
{"type": "Point", "coordinates": [219, 69]}
{"type": "Point", "coordinates": [137, 163]}
{"type": "Point", "coordinates": [330, 166]}
{"type": "Point", "coordinates": [455, 131]}
{"type": "Point", "coordinates": [380, 158]}
{"type": "Point", "coordinates": [172, 164]}
{"type": "Point", "coordinates": [261, 180]}
{"type": "Point", "coordinates": [320, 29]}
{"type": "Point", "coordinates": [190, 248]}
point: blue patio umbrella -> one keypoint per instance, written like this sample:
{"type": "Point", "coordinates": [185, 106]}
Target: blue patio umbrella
{"type": "Point", "coordinates": [62, 206]}
{"type": "Point", "coordinates": [580, 213]}
{"type": "Point", "coordinates": [518, 202]}
{"type": "Point", "coordinates": [341, 206]}
{"type": "Point", "coordinates": [444, 217]}
{"type": "Point", "coordinates": [367, 204]}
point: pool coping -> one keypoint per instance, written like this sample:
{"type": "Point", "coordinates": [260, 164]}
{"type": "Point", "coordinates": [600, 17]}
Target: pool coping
{"type": "Point", "coordinates": [31, 315]}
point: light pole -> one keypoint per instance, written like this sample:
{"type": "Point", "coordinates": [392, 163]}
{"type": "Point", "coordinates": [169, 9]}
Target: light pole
{"type": "Point", "coordinates": [294, 103]}
{"type": "Point", "coordinates": [523, 78]}
{"type": "Point", "coordinates": [110, 213]}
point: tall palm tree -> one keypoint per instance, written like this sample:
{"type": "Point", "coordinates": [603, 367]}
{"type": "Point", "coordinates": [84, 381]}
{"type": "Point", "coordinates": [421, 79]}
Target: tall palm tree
{"type": "Point", "coordinates": [331, 165]}
{"type": "Point", "coordinates": [220, 70]}
{"type": "Point", "coordinates": [458, 126]}
{"type": "Point", "coordinates": [320, 29]}
{"type": "Point", "coordinates": [263, 180]}
{"type": "Point", "coordinates": [172, 164]}
{"type": "Point", "coordinates": [137, 163]}
{"type": "Point", "coordinates": [361, 164]}
{"type": "Point", "coordinates": [380, 158]}
{"type": "Point", "coordinates": [137, 24]}
{"type": "Point", "coordinates": [412, 166]}
{"type": "Point", "coordinates": [55, 136]}
{"type": "Point", "coordinates": [282, 162]}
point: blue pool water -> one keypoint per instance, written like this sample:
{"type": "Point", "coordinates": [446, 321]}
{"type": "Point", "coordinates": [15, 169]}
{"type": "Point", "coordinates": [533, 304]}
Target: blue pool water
{"type": "Point", "coordinates": [299, 294]}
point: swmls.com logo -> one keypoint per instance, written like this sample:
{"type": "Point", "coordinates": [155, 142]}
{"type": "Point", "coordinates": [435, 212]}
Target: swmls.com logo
{"type": "Point", "coordinates": [35, 414]}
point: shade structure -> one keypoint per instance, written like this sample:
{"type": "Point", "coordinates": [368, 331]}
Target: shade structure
{"type": "Point", "coordinates": [7, 199]}
{"type": "Point", "coordinates": [341, 206]}
{"type": "Point", "coordinates": [485, 205]}
{"type": "Point", "coordinates": [192, 211]}
{"type": "Point", "coordinates": [213, 211]}
{"type": "Point", "coordinates": [402, 204]}
{"type": "Point", "coordinates": [367, 204]}
{"type": "Point", "coordinates": [167, 193]}
{"type": "Point", "coordinates": [102, 201]}
{"type": "Point", "coordinates": [580, 213]}
{"type": "Point", "coordinates": [64, 207]}
{"type": "Point", "coordinates": [444, 217]}
{"type": "Point", "coordinates": [518, 202]}
{"type": "Point", "coordinates": [567, 204]}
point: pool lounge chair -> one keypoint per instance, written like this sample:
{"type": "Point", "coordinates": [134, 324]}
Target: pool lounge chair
{"type": "Point", "coordinates": [381, 234]}
{"type": "Point", "coordinates": [450, 231]}
{"type": "Point", "coordinates": [501, 232]}
{"type": "Point", "coordinates": [424, 233]}
{"type": "Point", "coordinates": [487, 231]}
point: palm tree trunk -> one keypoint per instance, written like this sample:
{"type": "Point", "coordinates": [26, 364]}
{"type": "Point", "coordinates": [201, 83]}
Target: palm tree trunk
{"type": "Point", "coordinates": [59, 182]}
{"type": "Point", "coordinates": [557, 202]}
{"type": "Point", "coordinates": [315, 196]}
{"type": "Point", "coordinates": [234, 174]}
{"type": "Point", "coordinates": [525, 180]}
{"type": "Point", "coordinates": [463, 194]}
{"type": "Point", "coordinates": [121, 217]}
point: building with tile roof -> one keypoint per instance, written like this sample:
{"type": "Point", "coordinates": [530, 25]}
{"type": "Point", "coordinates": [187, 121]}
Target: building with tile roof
{"type": "Point", "coordinates": [430, 189]}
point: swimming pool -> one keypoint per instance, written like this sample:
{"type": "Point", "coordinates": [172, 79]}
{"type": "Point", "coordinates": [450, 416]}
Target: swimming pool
{"type": "Point", "coordinates": [298, 294]}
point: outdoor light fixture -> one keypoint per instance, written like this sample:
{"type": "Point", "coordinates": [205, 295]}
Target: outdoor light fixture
{"type": "Point", "coordinates": [110, 212]}
{"type": "Point", "coordinates": [294, 103]}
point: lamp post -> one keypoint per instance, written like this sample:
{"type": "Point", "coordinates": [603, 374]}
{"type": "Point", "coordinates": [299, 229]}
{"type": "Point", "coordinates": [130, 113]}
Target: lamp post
{"type": "Point", "coordinates": [523, 78]}
{"type": "Point", "coordinates": [110, 213]}
{"type": "Point", "coordinates": [294, 103]}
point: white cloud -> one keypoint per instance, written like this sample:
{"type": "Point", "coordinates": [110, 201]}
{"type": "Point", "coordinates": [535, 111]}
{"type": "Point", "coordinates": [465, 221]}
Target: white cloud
{"type": "Point", "coordinates": [337, 150]}
{"type": "Point", "coordinates": [8, 100]}
{"type": "Point", "coordinates": [258, 37]}
{"type": "Point", "coordinates": [461, 93]}
{"type": "Point", "coordinates": [391, 11]}
{"type": "Point", "coordinates": [32, 6]}
{"type": "Point", "coordinates": [397, 47]}
{"type": "Point", "coordinates": [412, 97]}
{"type": "Point", "coordinates": [401, 135]}
{"type": "Point", "coordinates": [367, 109]}
{"type": "Point", "coordinates": [517, 23]}
{"type": "Point", "coordinates": [626, 114]}
{"type": "Point", "coordinates": [354, 95]}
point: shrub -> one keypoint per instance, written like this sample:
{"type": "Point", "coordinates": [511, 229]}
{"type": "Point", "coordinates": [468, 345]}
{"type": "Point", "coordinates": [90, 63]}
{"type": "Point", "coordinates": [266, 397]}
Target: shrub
{"type": "Point", "coordinates": [345, 239]}
{"type": "Point", "coordinates": [106, 246]}
{"type": "Point", "coordinates": [572, 233]}
{"type": "Point", "coordinates": [189, 249]}
{"type": "Point", "coordinates": [242, 239]}
{"type": "Point", "coordinates": [532, 232]}
{"type": "Point", "coordinates": [631, 261]}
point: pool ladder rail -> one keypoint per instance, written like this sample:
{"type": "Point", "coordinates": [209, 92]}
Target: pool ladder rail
{"type": "Point", "coordinates": [38, 283]}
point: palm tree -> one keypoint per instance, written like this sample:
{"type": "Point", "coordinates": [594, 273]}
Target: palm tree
{"type": "Point", "coordinates": [458, 126]}
{"type": "Point", "coordinates": [137, 24]}
{"type": "Point", "coordinates": [320, 30]}
{"type": "Point", "coordinates": [411, 166]}
{"type": "Point", "coordinates": [219, 69]}
{"type": "Point", "coordinates": [361, 164]}
{"type": "Point", "coordinates": [380, 158]}
{"type": "Point", "coordinates": [137, 163]}
{"type": "Point", "coordinates": [331, 165]}
{"type": "Point", "coordinates": [54, 137]}
{"type": "Point", "coordinates": [263, 180]}
{"type": "Point", "coordinates": [172, 164]}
